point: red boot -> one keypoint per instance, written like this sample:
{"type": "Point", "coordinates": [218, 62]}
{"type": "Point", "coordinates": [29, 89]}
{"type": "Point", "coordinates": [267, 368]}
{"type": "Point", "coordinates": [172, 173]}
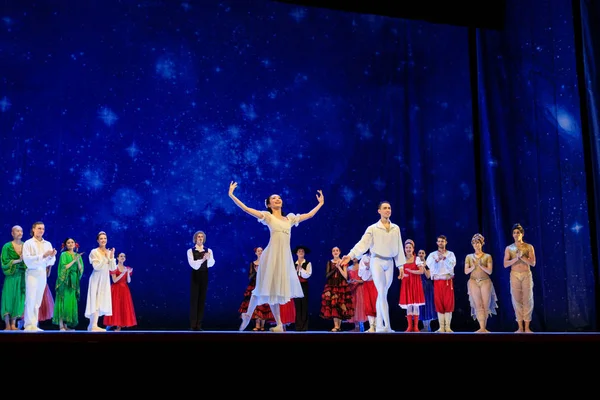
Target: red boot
{"type": "Point", "coordinates": [409, 318]}
{"type": "Point", "coordinates": [416, 323]}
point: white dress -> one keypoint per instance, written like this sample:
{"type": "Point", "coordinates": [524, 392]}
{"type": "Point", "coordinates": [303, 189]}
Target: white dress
{"type": "Point", "coordinates": [276, 278]}
{"type": "Point", "coordinates": [98, 295]}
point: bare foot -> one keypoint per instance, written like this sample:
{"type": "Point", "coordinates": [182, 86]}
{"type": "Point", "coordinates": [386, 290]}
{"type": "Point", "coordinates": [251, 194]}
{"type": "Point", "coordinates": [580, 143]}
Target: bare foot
{"type": "Point", "coordinates": [519, 330]}
{"type": "Point", "coordinates": [118, 329]}
{"type": "Point", "coordinates": [277, 328]}
{"type": "Point", "coordinates": [480, 330]}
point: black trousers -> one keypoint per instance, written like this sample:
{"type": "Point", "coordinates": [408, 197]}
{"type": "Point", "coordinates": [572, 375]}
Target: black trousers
{"type": "Point", "coordinates": [301, 305]}
{"type": "Point", "coordinates": [198, 288]}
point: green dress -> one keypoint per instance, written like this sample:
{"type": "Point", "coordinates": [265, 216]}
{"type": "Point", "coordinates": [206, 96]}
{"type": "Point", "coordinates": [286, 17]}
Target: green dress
{"type": "Point", "coordinates": [13, 292]}
{"type": "Point", "coordinates": [67, 290]}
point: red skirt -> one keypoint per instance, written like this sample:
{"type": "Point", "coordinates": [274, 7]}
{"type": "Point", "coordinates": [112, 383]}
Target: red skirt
{"type": "Point", "coordinates": [288, 312]}
{"type": "Point", "coordinates": [370, 298]}
{"type": "Point", "coordinates": [411, 291]}
{"type": "Point", "coordinates": [46, 310]}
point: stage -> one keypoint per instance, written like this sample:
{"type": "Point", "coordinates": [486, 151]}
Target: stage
{"type": "Point", "coordinates": [312, 343]}
{"type": "Point", "coordinates": [174, 358]}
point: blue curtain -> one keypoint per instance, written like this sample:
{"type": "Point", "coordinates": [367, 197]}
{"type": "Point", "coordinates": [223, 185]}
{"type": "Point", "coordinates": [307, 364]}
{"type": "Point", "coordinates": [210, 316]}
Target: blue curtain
{"type": "Point", "coordinates": [590, 49]}
{"type": "Point", "coordinates": [133, 117]}
{"type": "Point", "coordinates": [532, 160]}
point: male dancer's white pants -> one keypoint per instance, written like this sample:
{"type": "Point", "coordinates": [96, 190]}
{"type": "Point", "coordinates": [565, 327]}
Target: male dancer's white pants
{"type": "Point", "coordinates": [35, 284]}
{"type": "Point", "coordinates": [383, 276]}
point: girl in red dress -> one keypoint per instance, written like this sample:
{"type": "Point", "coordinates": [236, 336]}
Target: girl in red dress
{"type": "Point", "coordinates": [358, 296]}
{"type": "Point", "coordinates": [123, 313]}
{"type": "Point", "coordinates": [411, 291]}
{"type": "Point", "coordinates": [370, 291]}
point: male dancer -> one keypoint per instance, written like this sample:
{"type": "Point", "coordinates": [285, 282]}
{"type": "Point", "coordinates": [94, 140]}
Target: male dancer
{"type": "Point", "coordinates": [384, 241]}
{"type": "Point", "coordinates": [38, 254]}
{"type": "Point", "coordinates": [304, 271]}
{"type": "Point", "coordinates": [200, 259]}
{"type": "Point", "coordinates": [441, 266]}
{"type": "Point", "coordinates": [520, 257]}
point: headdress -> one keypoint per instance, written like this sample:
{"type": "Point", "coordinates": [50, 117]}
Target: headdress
{"type": "Point", "coordinates": [519, 227]}
{"type": "Point", "coordinates": [63, 246]}
{"type": "Point", "coordinates": [478, 237]}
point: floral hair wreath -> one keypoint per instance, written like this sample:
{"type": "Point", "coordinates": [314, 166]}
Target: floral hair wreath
{"type": "Point", "coordinates": [62, 246]}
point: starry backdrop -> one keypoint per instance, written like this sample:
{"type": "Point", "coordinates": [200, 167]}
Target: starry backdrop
{"type": "Point", "coordinates": [133, 117]}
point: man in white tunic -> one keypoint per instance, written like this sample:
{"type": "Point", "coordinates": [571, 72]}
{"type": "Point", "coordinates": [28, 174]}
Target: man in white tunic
{"type": "Point", "coordinates": [384, 241]}
{"type": "Point", "coordinates": [441, 265]}
{"type": "Point", "coordinates": [38, 254]}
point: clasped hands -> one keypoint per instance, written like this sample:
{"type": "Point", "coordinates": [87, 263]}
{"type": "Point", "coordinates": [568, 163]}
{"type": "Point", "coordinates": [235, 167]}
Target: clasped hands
{"type": "Point", "coordinates": [49, 253]}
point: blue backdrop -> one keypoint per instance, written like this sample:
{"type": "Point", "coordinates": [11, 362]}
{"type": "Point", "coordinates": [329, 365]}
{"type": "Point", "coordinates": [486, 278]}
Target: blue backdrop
{"type": "Point", "coordinates": [133, 117]}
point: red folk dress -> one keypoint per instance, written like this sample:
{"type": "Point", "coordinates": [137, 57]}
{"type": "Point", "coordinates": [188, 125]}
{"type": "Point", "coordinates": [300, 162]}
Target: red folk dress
{"type": "Point", "coordinates": [123, 313]}
{"type": "Point", "coordinates": [411, 291]}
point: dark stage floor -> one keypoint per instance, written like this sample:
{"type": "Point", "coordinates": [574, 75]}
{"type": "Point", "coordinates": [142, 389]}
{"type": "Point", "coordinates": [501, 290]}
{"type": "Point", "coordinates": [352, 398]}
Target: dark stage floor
{"type": "Point", "coordinates": [400, 343]}
{"type": "Point", "coordinates": [184, 355]}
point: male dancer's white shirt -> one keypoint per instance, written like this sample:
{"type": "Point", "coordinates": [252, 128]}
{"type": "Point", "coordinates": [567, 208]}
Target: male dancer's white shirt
{"type": "Point", "coordinates": [382, 244]}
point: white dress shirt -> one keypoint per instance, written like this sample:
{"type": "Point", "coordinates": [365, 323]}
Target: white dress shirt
{"type": "Point", "coordinates": [382, 243]}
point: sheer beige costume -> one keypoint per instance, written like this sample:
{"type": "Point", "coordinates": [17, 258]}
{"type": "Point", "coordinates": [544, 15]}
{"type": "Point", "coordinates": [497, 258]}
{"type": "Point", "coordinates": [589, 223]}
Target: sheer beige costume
{"type": "Point", "coordinates": [521, 285]}
{"type": "Point", "coordinates": [480, 286]}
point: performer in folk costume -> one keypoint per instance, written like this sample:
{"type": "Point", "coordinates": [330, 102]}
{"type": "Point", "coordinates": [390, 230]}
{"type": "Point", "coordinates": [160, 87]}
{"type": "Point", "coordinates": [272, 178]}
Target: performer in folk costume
{"type": "Point", "coordinates": [411, 290]}
{"type": "Point", "coordinates": [441, 264]}
{"type": "Point", "coordinates": [304, 271]}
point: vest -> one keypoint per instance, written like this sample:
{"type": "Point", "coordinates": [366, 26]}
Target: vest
{"type": "Point", "coordinates": [303, 266]}
{"type": "Point", "coordinates": [198, 256]}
